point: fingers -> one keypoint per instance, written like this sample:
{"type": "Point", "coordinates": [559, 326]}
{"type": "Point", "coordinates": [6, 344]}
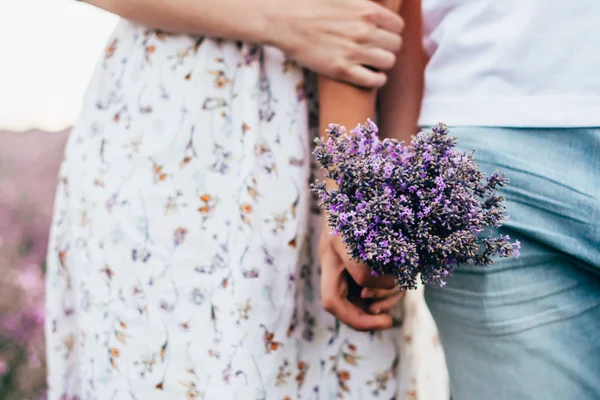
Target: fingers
{"type": "Point", "coordinates": [383, 299]}
{"type": "Point", "coordinates": [355, 318]}
{"type": "Point", "coordinates": [378, 45]}
{"type": "Point", "coordinates": [393, 5]}
{"type": "Point", "coordinates": [386, 304]}
{"type": "Point", "coordinates": [385, 18]}
{"type": "Point", "coordinates": [353, 315]}
{"type": "Point", "coordinates": [361, 76]}
{"type": "Point", "coordinates": [360, 273]}
{"type": "Point", "coordinates": [385, 40]}
{"type": "Point", "coordinates": [364, 277]}
{"type": "Point", "coordinates": [334, 295]}
{"type": "Point", "coordinates": [377, 58]}
{"type": "Point", "coordinates": [369, 293]}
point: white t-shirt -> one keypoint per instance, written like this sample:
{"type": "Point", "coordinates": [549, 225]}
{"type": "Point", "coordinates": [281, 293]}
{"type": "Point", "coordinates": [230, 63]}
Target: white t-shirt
{"type": "Point", "coordinates": [518, 63]}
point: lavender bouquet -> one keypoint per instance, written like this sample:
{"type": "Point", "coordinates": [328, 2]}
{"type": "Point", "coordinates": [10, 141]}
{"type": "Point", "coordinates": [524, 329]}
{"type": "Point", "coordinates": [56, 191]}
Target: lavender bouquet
{"type": "Point", "coordinates": [422, 208]}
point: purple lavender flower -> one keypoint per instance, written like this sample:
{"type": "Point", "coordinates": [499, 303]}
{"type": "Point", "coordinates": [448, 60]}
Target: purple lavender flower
{"type": "Point", "coordinates": [410, 210]}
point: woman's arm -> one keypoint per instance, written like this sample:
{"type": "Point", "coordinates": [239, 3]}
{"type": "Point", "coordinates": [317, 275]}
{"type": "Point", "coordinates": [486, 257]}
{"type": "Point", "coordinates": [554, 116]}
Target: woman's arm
{"type": "Point", "coordinates": [332, 37]}
{"type": "Point", "coordinates": [229, 19]}
{"type": "Point", "coordinates": [400, 99]}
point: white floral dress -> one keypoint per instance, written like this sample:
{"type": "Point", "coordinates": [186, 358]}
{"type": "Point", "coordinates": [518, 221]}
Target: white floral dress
{"type": "Point", "coordinates": [182, 256]}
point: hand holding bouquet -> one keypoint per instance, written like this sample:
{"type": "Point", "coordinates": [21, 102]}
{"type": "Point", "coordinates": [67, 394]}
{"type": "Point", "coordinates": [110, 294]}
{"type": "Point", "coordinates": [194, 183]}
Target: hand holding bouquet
{"type": "Point", "coordinates": [405, 211]}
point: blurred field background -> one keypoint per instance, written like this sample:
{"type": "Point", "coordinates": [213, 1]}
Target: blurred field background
{"type": "Point", "coordinates": [48, 50]}
{"type": "Point", "coordinates": [29, 164]}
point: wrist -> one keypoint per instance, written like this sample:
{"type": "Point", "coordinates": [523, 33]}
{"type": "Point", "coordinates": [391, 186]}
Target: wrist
{"type": "Point", "coordinates": [245, 21]}
{"type": "Point", "coordinates": [273, 24]}
{"type": "Point", "coordinates": [260, 25]}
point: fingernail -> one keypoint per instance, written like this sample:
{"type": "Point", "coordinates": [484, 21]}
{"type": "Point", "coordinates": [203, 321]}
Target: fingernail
{"type": "Point", "coordinates": [376, 311]}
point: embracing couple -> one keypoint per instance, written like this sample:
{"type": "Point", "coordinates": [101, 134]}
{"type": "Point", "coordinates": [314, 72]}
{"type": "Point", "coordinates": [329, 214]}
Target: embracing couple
{"type": "Point", "coordinates": [188, 258]}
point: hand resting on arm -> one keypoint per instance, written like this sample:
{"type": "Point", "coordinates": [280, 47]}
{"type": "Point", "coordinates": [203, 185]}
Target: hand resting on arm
{"type": "Point", "coordinates": [336, 38]}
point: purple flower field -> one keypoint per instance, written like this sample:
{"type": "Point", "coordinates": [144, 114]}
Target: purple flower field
{"type": "Point", "coordinates": [29, 164]}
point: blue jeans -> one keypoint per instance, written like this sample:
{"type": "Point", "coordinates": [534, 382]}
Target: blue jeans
{"type": "Point", "coordinates": [530, 328]}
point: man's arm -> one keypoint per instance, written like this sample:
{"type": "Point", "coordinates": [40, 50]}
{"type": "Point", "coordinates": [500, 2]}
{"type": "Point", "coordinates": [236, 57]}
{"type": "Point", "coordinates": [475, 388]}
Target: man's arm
{"type": "Point", "coordinates": [348, 105]}
{"type": "Point", "coordinates": [400, 99]}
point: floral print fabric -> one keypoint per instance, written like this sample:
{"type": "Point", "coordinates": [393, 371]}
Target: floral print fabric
{"type": "Point", "coordinates": [182, 261]}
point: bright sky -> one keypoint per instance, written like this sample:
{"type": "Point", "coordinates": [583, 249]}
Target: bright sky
{"type": "Point", "coordinates": [48, 50]}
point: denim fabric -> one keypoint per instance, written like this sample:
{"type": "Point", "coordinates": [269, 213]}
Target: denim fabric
{"type": "Point", "coordinates": [530, 328]}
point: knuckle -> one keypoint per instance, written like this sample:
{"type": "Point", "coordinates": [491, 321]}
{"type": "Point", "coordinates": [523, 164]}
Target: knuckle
{"type": "Point", "coordinates": [355, 52]}
{"type": "Point", "coordinates": [370, 11]}
{"type": "Point", "coordinates": [362, 278]}
{"type": "Point", "coordinates": [328, 304]}
{"type": "Point", "coordinates": [362, 32]}
{"type": "Point", "coordinates": [340, 70]}
{"type": "Point", "coordinates": [390, 285]}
